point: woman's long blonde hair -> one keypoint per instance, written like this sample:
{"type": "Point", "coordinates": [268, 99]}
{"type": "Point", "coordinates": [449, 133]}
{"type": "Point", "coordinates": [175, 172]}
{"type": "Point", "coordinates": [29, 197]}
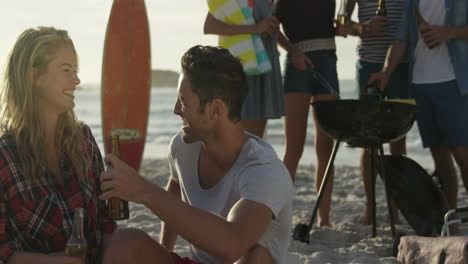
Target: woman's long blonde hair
{"type": "Point", "coordinates": [34, 49]}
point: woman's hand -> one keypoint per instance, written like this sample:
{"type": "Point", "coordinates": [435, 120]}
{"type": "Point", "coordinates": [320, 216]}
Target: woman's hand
{"type": "Point", "coordinates": [269, 25]}
{"type": "Point", "coordinates": [301, 61]}
{"type": "Point", "coordinates": [66, 260]}
{"type": "Point", "coordinates": [377, 26]}
{"type": "Point", "coordinates": [21, 257]}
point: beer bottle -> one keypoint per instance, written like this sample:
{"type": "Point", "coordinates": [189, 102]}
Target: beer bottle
{"type": "Point", "coordinates": [381, 9]}
{"type": "Point", "coordinates": [342, 15]}
{"type": "Point", "coordinates": [117, 209]}
{"type": "Point", "coordinates": [76, 245]}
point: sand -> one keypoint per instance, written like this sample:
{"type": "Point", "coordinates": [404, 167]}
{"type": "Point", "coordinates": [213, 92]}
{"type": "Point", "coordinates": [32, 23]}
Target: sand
{"type": "Point", "coordinates": [344, 242]}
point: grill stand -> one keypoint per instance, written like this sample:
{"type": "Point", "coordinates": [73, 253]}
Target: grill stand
{"type": "Point", "coordinates": [301, 231]}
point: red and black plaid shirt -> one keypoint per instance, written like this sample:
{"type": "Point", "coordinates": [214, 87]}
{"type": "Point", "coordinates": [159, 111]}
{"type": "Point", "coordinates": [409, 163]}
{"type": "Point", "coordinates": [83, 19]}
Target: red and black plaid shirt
{"type": "Point", "coordinates": [39, 217]}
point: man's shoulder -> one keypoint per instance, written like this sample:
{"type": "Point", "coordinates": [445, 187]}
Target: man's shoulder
{"type": "Point", "coordinates": [257, 150]}
{"type": "Point", "coordinates": [178, 147]}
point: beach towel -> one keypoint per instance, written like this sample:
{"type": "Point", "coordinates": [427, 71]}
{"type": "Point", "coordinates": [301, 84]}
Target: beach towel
{"type": "Point", "coordinates": [247, 47]}
{"type": "Point", "coordinates": [433, 250]}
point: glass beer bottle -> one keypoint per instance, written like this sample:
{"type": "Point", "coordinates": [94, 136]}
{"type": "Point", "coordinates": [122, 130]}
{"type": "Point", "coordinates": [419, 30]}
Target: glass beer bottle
{"type": "Point", "coordinates": [342, 16]}
{"type": "Point", "coordinates": [381, 9]}
{"type": "Point", "coordinates": [117, 209]}
{"type": "Point", "coordinates": [76, 245]}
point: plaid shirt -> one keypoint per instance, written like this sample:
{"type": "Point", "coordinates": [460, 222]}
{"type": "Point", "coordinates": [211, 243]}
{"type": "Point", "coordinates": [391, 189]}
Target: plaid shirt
{"type": "Point", "coordinates": [39, 217]}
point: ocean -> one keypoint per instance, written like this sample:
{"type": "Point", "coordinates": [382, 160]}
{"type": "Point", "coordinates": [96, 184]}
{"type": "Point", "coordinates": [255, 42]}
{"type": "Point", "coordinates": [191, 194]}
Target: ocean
{"type": "Point", "coordinates": [163, 125]}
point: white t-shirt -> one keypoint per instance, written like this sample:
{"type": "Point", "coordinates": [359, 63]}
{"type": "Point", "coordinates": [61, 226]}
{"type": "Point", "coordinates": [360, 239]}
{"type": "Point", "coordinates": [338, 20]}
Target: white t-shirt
{"type": "Point", "coordinates": [432, 65]}
{"type": "Point", "coordinates": [257, 175]}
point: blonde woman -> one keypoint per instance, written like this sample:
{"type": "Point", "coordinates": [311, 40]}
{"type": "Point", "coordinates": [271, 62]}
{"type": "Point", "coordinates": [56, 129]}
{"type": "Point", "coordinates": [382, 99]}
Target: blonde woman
{"type": "Point", "coordinates": [49, 161]}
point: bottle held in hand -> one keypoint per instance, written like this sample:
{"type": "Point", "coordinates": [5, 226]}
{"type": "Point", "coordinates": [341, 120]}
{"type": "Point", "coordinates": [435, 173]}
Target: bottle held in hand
{"type": "Point", "coordinates": [342, 16]}
{"type": "Point", "coordinates": [117, 209]}
{"type": "Point", "coordinates": [76, 245]}
{"type": "Point", "coordinates": [381, 9]}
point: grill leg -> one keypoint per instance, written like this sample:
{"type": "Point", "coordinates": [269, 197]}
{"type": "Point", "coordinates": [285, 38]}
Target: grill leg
{"type": "Point", "coordinates": [372, 190]}
{"type": "Point", "coordinates": [387, 190]}
{"type": "Point", "coordinates": [301, 231]}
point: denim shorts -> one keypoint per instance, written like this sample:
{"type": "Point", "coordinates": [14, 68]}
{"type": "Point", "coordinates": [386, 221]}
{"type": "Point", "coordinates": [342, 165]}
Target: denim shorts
{"type": "Point", "coordinates": [297, 81]}
{"type": "Point", "coordinates": [442, 114]}
{"type": "Point", "coordinates": [397, 86]}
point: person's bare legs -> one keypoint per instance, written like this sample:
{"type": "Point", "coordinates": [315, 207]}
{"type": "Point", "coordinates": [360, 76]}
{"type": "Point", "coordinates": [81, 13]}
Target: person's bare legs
{"type": "Point", "coordinates": [256, 127]}
{"type": "Point", "coordinates": [135, 246]}
{"type": "Point", "coordinates": [460, 153]}
{"type": "Point", "coordinates": [323, 150]}
{"type": "Point", "coordinates": [366, 219]}
{"type": "Point", "coordinates": [295, 124]}
{"type": "Point", "coordinates": [398, 147]}
{"type": "Point", "coordinates": [257, 255]}
{"type": "Point", "coordinates": [444, 165]}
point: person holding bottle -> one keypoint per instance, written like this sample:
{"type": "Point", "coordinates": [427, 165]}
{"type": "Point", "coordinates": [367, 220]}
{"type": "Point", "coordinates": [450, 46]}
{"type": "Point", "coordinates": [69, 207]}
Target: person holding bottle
{"type": "Point", "coordinates": [228, 195]}
{"type": "Point", "coordinates": [438, 54]}
{"type": "Point", "coordinates": [266, 98]}
{"type": "Point", "coordinates": [49, 161]}
{"type": "Point", "coordinates": [378, 21]}
{"type": "Point", "coordinates": [309, 39]}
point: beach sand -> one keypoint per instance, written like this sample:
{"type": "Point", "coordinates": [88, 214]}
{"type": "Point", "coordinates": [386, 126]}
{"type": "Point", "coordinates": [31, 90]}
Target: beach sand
{"type": "Point", "coordinates": [344, 242]}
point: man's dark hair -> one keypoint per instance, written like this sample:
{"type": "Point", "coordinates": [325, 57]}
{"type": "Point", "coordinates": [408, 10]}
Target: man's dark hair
{"type": "Point", "coordinates": [215, 73]}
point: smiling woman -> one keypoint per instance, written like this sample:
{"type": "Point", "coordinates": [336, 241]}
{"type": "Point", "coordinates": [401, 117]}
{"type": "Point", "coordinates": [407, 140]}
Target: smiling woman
{"type": "Point", "coordinates": [49, 161]}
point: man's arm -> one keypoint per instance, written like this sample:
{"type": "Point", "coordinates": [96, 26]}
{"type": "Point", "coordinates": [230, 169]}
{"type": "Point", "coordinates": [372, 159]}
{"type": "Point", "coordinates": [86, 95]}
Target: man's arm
{"type": "Point", "coordinates": [395, 53]}
{"type": "Point", "coordinates": [434, 35]}
{"type": "Point", "coordinates": [228, 239]}
{"type": "Point", "coordinates": [460, 32]}
{"type": "Point", "coordinates": [218, 27]}
{"type": "Point", "coordinates": [168, 237]}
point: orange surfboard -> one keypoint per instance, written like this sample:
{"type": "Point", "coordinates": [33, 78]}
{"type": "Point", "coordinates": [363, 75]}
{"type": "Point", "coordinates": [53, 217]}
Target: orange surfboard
{"type": "Point", "coordinates": [126, 79]}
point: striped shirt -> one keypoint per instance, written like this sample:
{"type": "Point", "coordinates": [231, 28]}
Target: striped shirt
{"type": "Point", "coordinates": [374, 48]}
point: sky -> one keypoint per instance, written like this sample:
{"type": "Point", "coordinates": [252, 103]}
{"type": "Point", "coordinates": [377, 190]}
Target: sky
{"type": "Point", "coordinates": [175, 26]}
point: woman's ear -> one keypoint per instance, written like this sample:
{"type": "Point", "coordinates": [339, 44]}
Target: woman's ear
{"type": "Point", "coordinates": [34, 76]}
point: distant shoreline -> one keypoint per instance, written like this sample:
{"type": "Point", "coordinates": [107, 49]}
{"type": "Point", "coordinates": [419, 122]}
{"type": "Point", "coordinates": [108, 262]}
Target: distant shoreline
{"type": "Point", "coordinates": [164, 79]}
{"type": "Point", "coordinates": [169, 79]}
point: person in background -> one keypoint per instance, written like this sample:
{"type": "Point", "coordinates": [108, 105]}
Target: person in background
{"type": "Point", "coordinates": [438, 50]}
{"type": "Point", "coordinates": [310, 42]}
{"type": "Point", "coordinates": [265, 99]}
{"type": "Point", "coordinates": [376, 34]}
{"type": "Point", "coordinates": [228, 195]}
{"type": "Point", "coordinates": [49, 161]}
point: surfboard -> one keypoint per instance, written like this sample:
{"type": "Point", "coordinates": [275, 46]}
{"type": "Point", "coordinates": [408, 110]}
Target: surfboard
{"type": "Point", "coordinates": [126, 79]}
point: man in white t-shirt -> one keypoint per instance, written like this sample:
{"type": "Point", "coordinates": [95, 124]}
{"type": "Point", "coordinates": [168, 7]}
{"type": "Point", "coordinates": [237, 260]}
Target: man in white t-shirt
{"type": "Point", "coordinates": [228, 195]}
{"type": "Point", "coordinates": [438, 45]}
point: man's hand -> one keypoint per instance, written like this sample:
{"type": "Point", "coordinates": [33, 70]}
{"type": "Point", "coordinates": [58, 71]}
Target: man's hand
{"type": "Point", "coordinates": [122, 181]}
{"type": "Point", "coordinates": [301, 61]}
{"type": "Point", "coordinates": [343, 30]}
{"type": "Point", "coordinates": [434, 35]}
{"type": "Point", "coordinates": [269, 25]}
{"type": "Point", "coordinates": [377, 26]}
{"type": "Point", "coordinates": [380, 79]}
